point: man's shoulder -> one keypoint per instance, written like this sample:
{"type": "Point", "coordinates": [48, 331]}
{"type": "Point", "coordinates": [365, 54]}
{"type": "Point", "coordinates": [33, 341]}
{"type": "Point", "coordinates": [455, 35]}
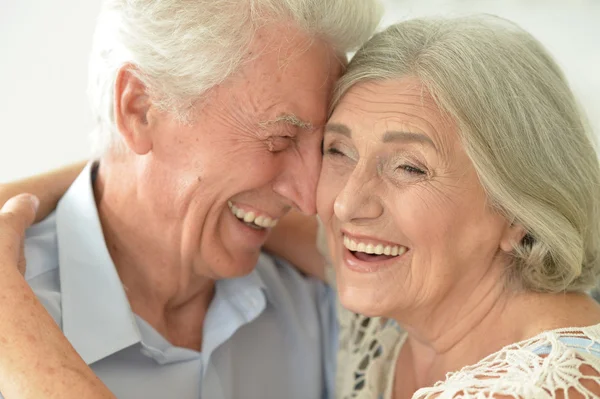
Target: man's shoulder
{"type": "Point", "coordinates": [41, 248]}
{"type": "Point", "coordinates": [283, 280]}
{"type": "Point", "coordinates": [271, 267]}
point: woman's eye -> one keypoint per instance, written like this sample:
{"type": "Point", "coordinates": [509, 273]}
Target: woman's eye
{"type": "Point", "coordinates": [340, 152]}
{"type": "Point", "coordinates": [334, 151]}
{"type": "Point", "coordinates": [412, 170]}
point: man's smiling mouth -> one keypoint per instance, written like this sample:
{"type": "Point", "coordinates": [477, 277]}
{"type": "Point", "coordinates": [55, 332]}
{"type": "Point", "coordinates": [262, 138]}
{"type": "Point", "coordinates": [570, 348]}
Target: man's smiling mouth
{"type": "Point", "coordinates": [252, 219]}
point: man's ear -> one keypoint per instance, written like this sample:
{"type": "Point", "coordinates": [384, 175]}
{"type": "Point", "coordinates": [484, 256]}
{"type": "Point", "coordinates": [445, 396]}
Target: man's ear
{"type": "Point", "coordinates": [513, 235]}
{"type": "Point", "coordinates": [132, 106]}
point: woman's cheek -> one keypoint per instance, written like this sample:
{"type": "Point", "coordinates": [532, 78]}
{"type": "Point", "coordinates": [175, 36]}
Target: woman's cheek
{"type": "Point", "coordinates": [330, 184]}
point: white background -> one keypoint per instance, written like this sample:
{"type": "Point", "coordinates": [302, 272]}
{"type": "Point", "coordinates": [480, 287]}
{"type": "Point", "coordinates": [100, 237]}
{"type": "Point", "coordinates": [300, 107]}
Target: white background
{"type": "Point", "coordinates": [44, 45]}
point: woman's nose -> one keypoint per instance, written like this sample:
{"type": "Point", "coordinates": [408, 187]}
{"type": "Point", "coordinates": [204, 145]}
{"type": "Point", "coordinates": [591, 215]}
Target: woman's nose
{"type": "Point", "coordinates": [358, 199]}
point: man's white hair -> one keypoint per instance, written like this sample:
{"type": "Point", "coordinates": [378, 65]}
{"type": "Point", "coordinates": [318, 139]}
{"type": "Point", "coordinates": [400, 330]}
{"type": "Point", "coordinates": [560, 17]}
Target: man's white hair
{"type": "Point", "coordinates": [181, 48]}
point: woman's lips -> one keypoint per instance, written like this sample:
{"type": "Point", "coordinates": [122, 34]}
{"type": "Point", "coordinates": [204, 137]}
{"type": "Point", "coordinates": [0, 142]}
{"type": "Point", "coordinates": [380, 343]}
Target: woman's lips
{"type": "Point", "coordinates": [366, 263]}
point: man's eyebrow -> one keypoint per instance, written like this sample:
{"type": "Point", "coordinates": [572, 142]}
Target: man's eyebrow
{"type": "Point", "coordinates": [395, 135]}
{"type": "Point", "coordinates": [290, 119]}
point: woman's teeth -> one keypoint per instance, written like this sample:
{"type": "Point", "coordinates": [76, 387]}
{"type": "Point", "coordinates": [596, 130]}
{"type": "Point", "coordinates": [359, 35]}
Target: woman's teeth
{"type": "Point", "coordinates": [378, 249]}
{"type": "Point", "coordinates": [252, 218]}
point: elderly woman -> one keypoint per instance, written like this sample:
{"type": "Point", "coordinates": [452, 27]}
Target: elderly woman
{"type": "Point", "coordinates": [458, 196]}
{"type": "Point", "coordinates": [459, 193]}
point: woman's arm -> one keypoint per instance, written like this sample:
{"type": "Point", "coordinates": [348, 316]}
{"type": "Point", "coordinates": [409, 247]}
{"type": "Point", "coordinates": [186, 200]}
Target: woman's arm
{"type": "Point", "coordinates": [36, 360]}
{"type": "Point", "coordinates": [295, 240]}
{"type": "Point", "coordinates": [48, 187]}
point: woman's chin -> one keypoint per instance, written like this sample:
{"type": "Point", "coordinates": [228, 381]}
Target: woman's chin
{"type": "Point", "coordinates": [367, 302]}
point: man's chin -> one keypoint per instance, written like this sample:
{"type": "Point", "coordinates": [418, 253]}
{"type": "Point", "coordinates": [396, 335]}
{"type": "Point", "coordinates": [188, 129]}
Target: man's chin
{"type": "Point", "coordinates": [240, 266]}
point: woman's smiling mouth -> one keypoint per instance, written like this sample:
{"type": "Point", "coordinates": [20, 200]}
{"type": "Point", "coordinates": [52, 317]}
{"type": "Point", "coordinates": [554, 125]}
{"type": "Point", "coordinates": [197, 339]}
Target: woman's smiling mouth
{"type": "Point", "coordinates": [368, 255]}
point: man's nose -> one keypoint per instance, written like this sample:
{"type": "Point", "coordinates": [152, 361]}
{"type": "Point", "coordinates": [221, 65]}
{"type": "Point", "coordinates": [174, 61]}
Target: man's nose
{"type": "Point", "coordinates": [298, 182]}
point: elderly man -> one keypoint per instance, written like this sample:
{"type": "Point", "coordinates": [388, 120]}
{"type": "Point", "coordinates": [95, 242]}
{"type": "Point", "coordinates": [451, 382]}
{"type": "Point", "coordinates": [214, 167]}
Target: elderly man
{"type": "Point", "coordinates": [210, 116]}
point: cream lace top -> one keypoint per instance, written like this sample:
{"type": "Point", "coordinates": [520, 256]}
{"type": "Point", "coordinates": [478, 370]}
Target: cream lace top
{"type": "Point", "coordinates": [564, 359]}
{"type": "Point", "coordinates": [545, 366]}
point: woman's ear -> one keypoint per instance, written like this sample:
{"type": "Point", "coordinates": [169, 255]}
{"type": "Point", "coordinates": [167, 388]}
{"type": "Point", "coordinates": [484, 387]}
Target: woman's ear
{"type": "Point", "coordinates": [513, 235]}
{"type": "Point", "coordinates": [132, 106]}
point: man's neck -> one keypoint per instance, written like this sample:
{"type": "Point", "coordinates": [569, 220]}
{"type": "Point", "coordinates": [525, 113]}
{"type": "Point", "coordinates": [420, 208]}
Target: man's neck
{"type": "Point", "coordinates": [161, 288]}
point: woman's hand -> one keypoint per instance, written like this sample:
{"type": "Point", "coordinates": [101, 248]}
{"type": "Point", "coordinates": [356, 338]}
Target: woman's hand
{"type": "Point", "coordinates": [48, 187]}
{"type": "Point", "coordinates": [36, 360]}
{"type": "Point", "coordinates": [16, 215]}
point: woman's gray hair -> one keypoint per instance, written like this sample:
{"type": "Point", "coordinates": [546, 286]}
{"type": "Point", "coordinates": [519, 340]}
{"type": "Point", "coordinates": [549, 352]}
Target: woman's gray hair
{"type": "Point", "coordinates": [521, 127]}
{"type": "Point", "coordinates": [182, 48]}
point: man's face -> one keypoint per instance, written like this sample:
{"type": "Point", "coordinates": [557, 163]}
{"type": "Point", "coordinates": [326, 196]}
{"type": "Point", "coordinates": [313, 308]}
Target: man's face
{"type": "Point", "coordinates": [251, 154]}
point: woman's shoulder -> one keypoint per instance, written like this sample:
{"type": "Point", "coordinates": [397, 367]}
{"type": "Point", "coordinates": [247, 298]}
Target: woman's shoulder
{"type": "Point", "coordinates": [546, 366]}
{"type": "Point", "coordinates": [584, 340]}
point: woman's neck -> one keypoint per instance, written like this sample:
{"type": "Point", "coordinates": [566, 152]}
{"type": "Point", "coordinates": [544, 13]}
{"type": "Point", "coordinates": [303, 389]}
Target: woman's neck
{"type": "Point", "coordinates": [497, 318]}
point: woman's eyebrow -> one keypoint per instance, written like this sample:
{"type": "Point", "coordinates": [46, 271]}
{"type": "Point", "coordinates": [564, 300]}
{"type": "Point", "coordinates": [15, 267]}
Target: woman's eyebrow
{"type": "Point", "coordinates": [389, 136]}
{"type": "Point", "coordinates": [407, 137]}
{"type": "Point", "coordinates": [338, 128]}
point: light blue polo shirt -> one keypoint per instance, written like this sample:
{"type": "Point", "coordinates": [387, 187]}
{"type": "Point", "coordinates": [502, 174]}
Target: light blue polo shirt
{"type": "Point", "coordinates": [270, 334]}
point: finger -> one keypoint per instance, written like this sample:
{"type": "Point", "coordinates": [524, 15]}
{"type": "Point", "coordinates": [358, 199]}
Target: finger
{"type": "Point", "coordinates": [18, 213]}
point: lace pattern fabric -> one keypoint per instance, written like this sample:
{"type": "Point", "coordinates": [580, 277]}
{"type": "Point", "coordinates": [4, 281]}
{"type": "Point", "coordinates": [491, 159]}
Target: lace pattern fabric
{"type": "Point", "coordinates": [559, 363]}
{"type": "Point", "coordinates": [368, 349]}
{"type": "Point", "coordinates": [563, 363]}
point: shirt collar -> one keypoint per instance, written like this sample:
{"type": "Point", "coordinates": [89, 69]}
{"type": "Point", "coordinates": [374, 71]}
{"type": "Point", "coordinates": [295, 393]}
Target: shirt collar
{"type": "Point", "coordinates": [96, 315]}
{"type": "Point", "coordinates": [238, 301]}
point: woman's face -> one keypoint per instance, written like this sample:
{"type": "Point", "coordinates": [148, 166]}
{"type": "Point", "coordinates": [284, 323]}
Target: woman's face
{"type": "Point", "coordinates": [407, 220]}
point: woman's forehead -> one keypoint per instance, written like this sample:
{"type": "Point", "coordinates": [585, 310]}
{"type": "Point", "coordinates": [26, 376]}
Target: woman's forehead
{"type": "Point", "coordinates": [376, 107]}
{"type": "Point", "coordinates": [410, 89]}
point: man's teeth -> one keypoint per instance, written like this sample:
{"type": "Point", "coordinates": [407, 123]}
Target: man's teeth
{"type": "Point", "coordinates": [379, 249]}
{"type": "Point", "coordinates": [250, 217]}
